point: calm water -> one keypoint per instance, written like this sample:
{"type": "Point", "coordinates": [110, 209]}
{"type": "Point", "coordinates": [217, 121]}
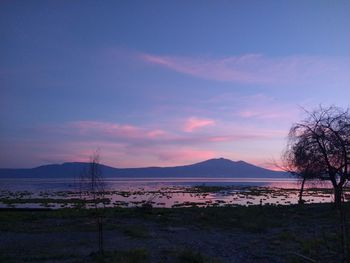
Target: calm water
{"type": "Point", "coordinates": [165, 192]}
{"type": "Point", "coordinates": [51, 185]}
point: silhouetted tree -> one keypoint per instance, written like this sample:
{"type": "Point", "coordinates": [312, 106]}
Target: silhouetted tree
{"type": "Point", "coordinates": [319, 148]}
{"type": "Point", "coordinates": [299, 160]}
{"type": "Point", "coordinates": [91, 182]}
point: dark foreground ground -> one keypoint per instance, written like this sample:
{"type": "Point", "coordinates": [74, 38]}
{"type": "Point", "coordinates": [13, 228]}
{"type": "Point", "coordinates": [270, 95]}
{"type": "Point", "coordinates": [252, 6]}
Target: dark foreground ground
{"type": "Point", "coordinates": [228, 234]}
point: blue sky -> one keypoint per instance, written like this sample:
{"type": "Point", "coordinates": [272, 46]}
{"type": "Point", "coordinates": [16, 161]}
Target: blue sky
{"type": "Point", "coordinates": [165, 82]}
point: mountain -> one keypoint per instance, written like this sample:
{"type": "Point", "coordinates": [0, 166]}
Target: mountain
{"type": "Point", "coordinates": [221, 168]}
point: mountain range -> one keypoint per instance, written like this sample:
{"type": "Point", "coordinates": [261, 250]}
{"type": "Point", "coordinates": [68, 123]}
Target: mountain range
{"type": "Point", "coordinates": [215, 168]}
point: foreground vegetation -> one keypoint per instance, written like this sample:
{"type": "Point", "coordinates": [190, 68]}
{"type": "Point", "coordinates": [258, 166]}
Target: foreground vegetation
{"type": "Point", "coordinates": [310, 233]}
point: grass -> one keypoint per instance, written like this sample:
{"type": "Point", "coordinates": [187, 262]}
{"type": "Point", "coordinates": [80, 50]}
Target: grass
{"type": "Point", "coordinates": [41, 257]}
{"type": "Point", "coordinates": [136, 231]}
{"type": "Point", "coordinates": [190, 256]}
{"type": "Point", "coordinates": [286, 236]}
{"type": "Point", "coordinates": [293, 228]}
{"type": "Point", "coordinates": [186, 255]}
{"type": "Point", "coordinates": [139, 255]}
{"type": "Point", "coordinates": [311, 246]}
{"type": "Point", "coordinates": [251, 219]}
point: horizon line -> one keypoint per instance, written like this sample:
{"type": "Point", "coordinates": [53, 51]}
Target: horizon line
{"type": "Point", "coordinates": [143, 167]}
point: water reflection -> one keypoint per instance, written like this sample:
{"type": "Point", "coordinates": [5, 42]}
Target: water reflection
{"type": "Point", "coordinates": [165, 192]}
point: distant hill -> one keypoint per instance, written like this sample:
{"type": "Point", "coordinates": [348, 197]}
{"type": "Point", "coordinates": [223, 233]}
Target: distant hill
{"type": "Point", "coordinates": [220, 168]}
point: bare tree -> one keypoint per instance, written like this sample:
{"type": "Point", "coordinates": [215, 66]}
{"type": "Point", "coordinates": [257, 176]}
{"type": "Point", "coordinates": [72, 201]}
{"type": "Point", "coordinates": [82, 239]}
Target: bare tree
{"type": "Point", "coordinates": [92, 184]}
{"type": "Point", "coordinates": [298, 159]}
{"type": "Point", "coordinates": [319, 148]}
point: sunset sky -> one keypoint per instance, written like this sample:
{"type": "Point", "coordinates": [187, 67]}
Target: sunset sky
{"type": "Point", "coordinates": [162, 83]}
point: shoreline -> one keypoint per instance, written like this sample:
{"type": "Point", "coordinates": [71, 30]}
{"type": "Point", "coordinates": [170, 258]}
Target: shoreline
{"type": "Point", "coordinates": [167, 197]}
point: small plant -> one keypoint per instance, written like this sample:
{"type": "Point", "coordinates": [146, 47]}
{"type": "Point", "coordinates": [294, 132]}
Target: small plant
{"type": "Point", "coordinates": [311, 246]}
{"type": "Point", "coordinates": [136, 231]}
{"type": "Point", "coordinates": [286, 236]}
{"type": "Point", "coordinates": [139, 255]}
{"type": "Point", "coordinates": [92, 183]}
{"type": "Point", "coordinates": [190, 256]}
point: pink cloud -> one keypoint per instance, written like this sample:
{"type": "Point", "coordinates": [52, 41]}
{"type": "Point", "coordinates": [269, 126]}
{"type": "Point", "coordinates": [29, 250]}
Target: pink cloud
{"type": "Point", "coordinates": [155, 133]}
{"type": "Point", "coordinates": [126, 145]}
{"type": "Point", "coordinates": [256, 68]}
{"type": "Point", "coordinates": [258, 106]}
{"type": "Point", "coordinates": [126, 134]}
{"type": "Point", "coordinates": [270, 166]}
{"type": "Point", "coordinates": [262, 114]}
{"type": "Point", "coordinates": [128, 155]}
{"type": "Point", "coordinates": [114, 130]}
{"type": "Point", "coordinates": [263, 108]}
{"type": "Point", "coordinates": [194, 123]}
{"type": "Point", "coordinates": [185, 155]}
{"type": "Point", "coordinates": [226, 138]}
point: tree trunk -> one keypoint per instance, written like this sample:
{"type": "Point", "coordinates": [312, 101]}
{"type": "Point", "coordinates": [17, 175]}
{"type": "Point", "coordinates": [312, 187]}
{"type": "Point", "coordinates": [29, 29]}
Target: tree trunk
{"type": "Point", "coordinates": [100, 235]}
{"type": "Point", "coordinates": [338, 192]}
{"type": "Point", "coordinates": [344, 235]}
{"type": "Point", "coordinates": [301, 201]}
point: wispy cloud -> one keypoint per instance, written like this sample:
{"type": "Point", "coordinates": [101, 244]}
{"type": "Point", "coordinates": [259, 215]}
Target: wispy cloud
{"type": "Point", "coordinates": [257, 68]}
{"type": "Point", "coordinates": [194, 123]}
{"type": "Point", "coordinates": [261, 107]}
{"type": "Point", "coordinates": [141, 136]}
{"type": "Point", "coordinates": [110, 131]}
{"type": "Point", "coordinates": [124, 145]}
{"type": "Point", "coordinates": [185, 154]}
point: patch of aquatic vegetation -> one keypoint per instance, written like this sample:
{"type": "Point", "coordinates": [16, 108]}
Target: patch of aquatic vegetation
{"type": "Point", "coordinates": [211, 189]}
{"type": "Point", "coordinates": [169, 197]}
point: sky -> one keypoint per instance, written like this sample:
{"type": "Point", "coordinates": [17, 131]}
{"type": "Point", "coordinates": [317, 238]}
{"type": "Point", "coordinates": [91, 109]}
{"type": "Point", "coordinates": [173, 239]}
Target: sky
{"type": "Point", "coordinates": [165, 83]}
